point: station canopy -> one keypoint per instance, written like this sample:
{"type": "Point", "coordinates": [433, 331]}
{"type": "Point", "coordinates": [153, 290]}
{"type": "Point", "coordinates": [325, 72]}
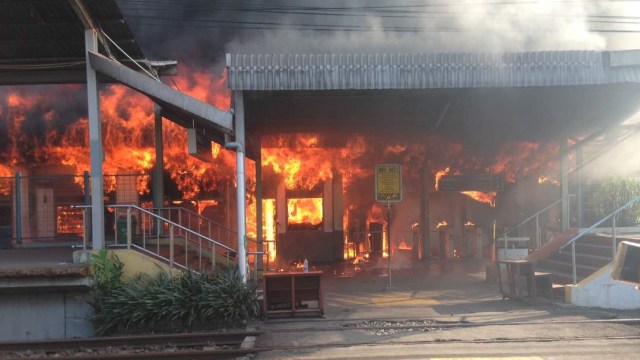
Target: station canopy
{"type": "Point", "coordinates": [481, 96]}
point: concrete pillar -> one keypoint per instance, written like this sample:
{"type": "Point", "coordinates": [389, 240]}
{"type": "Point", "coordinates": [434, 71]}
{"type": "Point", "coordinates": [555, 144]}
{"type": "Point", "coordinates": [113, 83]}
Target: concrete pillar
{"type": "Point", "coordinates": [425, 225]}
{"type": "Point", "coordinates": [281, 208]}
{"type": "Point", "coordinates": [259, 212]}
{"type": "Point", "coordinates": [95, 143]}
{"type": "Point", "coordinates": [338, 202]}
{"type": "Point", "coordinates": [338, 216]}
{"type": "Point", "coordinates": [327, 206]}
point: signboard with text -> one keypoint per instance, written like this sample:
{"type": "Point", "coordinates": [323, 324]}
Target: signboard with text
{"type": "Point", "coordinates": [470, 183]}
{"type": "Point", "coordinates": [388, 183]}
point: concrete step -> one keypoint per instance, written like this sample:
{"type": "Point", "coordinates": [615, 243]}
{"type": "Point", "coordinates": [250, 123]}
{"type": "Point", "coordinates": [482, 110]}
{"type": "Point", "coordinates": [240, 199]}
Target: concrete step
{"type": "Point", "coordinates": [559, 291]}
{"type": "Point", "coordinates": [563, 270]}
{"type": "Point", "coordinates": [594, 239]}
{"type": "Point", "coordinates": [583, 259]}
{"type": "Point", "coordinates": [590, 249]}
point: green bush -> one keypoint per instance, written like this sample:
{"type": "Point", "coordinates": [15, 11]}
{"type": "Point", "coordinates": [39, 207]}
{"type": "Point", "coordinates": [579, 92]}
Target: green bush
{"type": "Point", "coordinates": [169, 304]}
{"type": "Point", "coordinates": [106, 276]}
{"type": "Point", "coordinates": [614, 193]}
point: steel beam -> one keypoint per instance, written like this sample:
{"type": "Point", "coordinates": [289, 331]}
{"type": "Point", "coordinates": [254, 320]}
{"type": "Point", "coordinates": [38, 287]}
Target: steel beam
{"type": "Point", "coordinates": [169, 99]}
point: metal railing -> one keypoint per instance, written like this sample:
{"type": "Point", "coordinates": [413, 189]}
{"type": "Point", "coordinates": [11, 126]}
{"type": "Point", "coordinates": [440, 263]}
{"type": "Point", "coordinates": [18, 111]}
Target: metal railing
{"type": "Point", "coordinates": [536, 216]}
{"type": "Point", "coordinates": [196, 222]}
{"type": "Point", "coordinates": [204, 247]}
{"type": "Point", "coordinates": [259, 254]}
{"type": "Point", "coordinates": [590, 229]}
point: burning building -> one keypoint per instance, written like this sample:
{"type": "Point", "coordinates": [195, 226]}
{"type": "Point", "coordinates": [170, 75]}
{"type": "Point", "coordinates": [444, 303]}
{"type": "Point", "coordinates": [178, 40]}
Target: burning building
{"type": "Point", "coordinates": [460, 114]}
{"type": "Point", "coordinates": [316, 128]}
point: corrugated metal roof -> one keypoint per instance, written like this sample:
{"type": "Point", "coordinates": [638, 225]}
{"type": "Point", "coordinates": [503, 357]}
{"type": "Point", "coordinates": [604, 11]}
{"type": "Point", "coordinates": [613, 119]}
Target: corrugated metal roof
{"type": "Point", "coordinates": [427, 71]}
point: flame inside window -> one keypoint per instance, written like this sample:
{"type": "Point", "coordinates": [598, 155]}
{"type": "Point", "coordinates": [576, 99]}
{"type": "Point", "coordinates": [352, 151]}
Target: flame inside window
{"type": "Point", "coordinates": [69, 220]}
{"type": "Point", "coordinates": [304, 213]}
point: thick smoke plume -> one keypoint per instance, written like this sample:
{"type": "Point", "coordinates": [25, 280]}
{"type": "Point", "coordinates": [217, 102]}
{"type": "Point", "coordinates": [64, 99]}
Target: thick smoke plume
{"type": "Point", "coordinates": [205, 31]}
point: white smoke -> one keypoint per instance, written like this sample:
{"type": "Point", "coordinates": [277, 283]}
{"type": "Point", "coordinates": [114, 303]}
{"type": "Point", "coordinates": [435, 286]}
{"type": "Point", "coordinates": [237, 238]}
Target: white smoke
{"type": "Point", "coordinates": [473, 26]}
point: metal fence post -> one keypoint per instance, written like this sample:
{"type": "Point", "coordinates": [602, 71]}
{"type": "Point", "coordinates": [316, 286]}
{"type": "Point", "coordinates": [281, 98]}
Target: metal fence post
{"type": "Point", "coordinates": [18, 208]}
{"type": "Point", "coordinates": [613, 237]}
{"type": "Point", "coordinates": [573, 263]}
{"type": "Point", "coordinates": [84, 229]}
{"type": "Point", "coordinates": [171, 245]}
{"type": "Point", "coordinates": [129, 235]}
{"type": "Point", "coordinates": [87, 201]}
{"type": "Point", "coordinates": [538, 240]}
{"type": "Point", "coordinates": [213, 257]}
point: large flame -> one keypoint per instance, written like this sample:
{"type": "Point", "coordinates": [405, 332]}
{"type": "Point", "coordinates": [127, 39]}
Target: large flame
{"type": "Point", "coordinates": [301, 162]}
{"type": "Point", "coordinates": [307, 211]}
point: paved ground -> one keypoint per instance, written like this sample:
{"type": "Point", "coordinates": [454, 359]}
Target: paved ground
{"type": "Point", "coordinates": [427, 298]}
{"type": "Point", "coordinates": [36, 258]}
{"type": "Point", "coordinates": [448, 291]}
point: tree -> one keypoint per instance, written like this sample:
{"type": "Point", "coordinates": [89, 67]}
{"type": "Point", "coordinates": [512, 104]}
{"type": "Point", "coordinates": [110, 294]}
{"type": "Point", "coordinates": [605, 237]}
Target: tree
{"type": "Point", "coordinates": [615, 192]}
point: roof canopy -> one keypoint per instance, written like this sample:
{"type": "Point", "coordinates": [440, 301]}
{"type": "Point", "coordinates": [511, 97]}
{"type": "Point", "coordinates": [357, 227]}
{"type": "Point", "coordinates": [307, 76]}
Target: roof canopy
{"type": "Point", "coordinates": [487, 99]}
{"type": "Point", "coordinates": [431, 70]}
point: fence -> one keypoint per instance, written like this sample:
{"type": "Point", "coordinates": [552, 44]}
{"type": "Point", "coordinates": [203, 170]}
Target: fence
{"type": "Point", "coordinates": [37, 209]}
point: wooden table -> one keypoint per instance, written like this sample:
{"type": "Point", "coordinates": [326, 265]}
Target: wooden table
{"type": "Point", "coordinates": [291, 294]}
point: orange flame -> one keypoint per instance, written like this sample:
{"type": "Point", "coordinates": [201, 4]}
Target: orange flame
{"type": "Point", "coordinates": [442, 224]}
{"type": "Point", "coordinates": [305, 211]}
{"type": "Point", "coordinates": [548, 180]}
{"type": "Point", "coordinates": [269, 227]}
{"type": "Point", "coordinates": [488, 197]}
{"type": "Point", "coordinates": [439, 175]}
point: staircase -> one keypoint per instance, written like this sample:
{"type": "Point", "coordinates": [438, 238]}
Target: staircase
{"type": "Point", "coordinates": [593, 251]}
{"type": "Point", "coordinates": [176, 236]}
{"type": "Point", "coordinates": [190, 256]}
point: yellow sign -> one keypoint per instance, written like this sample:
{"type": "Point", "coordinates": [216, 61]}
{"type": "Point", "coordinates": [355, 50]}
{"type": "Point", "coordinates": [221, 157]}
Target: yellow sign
{"type": "Point", "coordinates": [388, 183]}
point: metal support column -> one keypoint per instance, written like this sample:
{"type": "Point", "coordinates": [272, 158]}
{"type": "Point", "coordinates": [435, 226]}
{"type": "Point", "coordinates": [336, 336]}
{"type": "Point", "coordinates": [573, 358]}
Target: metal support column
{"type": "Point", "coordinates": [18, 200]}
{"type": "Point", "coordinates": [158, 176]}
{"type": "Point", "coordinates": [95, 143]}
{"type": "Point", "coordinates": [564, 168]}
{"type": "Point", "coordinates": [239, 147]}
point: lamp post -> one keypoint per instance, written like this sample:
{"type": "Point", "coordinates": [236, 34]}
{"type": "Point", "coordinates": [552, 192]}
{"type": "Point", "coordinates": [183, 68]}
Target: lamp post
{"type": "Point", "coordinates": [242, 222]}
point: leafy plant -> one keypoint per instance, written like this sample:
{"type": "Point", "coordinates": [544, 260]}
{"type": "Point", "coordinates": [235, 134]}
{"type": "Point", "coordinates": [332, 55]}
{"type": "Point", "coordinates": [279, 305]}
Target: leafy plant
{"type": "Point", "coordinates": [106, 276]}
{"type": "Point", "coordinates": [190, 301]}
{"type": "Point", "coordinates": [614, 193]}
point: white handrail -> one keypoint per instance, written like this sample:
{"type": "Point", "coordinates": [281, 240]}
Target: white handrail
{"type": "Point", "coordinates": [573, 240]}
{"type": "Point", "coordinates": [172, 227]}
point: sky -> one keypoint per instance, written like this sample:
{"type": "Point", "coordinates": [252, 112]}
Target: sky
{"type": "Point", "coordinates": [200, 32]}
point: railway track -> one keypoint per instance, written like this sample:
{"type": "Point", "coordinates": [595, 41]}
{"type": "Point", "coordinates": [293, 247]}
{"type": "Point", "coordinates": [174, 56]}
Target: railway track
{"type": "Point", "coordinates": [227, 345]}
{"type": "Point", "coordinates": [413, 323]}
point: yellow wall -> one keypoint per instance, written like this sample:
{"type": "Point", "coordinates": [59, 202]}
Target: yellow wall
{"type": "Point", "coordinates": [136, 263]}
